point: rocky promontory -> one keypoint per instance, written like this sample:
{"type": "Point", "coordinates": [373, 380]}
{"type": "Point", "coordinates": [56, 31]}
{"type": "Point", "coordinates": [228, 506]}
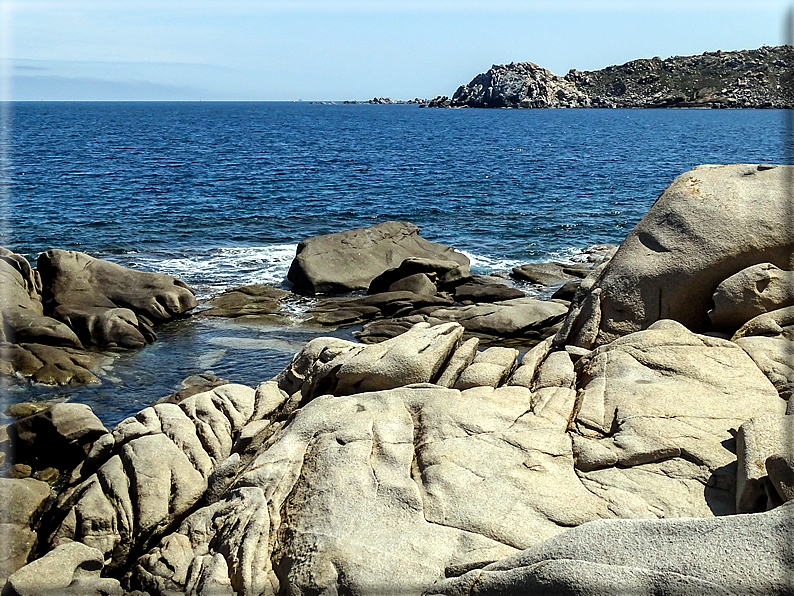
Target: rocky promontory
{"type": "Point", "coordinates": [642, 449]}
{"type": "Point", "coordinates": [759, 78]}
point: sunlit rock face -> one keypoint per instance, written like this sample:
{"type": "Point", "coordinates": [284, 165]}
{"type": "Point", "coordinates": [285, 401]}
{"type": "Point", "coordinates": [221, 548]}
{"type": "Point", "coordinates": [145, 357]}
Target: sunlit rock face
{"type": "Point", "coordinates": [709, 224]}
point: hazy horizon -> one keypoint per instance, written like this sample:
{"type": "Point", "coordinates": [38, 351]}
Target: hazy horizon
{"type": "Point", "coordinates": [337, 50]}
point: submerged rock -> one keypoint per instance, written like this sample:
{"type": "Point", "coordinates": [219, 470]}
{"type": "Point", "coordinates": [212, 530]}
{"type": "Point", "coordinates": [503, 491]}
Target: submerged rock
{"type": "Point", "coordinates": [245, 301]}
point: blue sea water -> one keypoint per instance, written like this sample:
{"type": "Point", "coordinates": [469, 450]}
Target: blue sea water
{"type": "Point", "coordinates": [219, 194]}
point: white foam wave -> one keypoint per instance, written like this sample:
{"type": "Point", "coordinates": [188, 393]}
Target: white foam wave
{"type": "Point", "coordinates": [484, 264]}
{"type": "Point", "coordinates": [570, 254]}
{"type": "Point", "coordinates": [222, 268]}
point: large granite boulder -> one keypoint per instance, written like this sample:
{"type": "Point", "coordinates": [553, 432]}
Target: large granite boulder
{"type": "Point", "coordinates": [351, 260]}
{"type": "Point", "coordinates": [49, 316]}
{"type": "Point", "coordinates": [709, 224]}
{"type": "Point", "coordinates": [656, 416]}
{"type": "Point", "coordinates": [107, 304]}
{"type": "Point", "coordinates": [21, 306]}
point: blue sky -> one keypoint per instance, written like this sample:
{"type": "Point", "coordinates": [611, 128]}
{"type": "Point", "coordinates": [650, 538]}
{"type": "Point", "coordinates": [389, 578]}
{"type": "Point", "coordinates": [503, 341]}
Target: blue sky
{"type": "Point", "coordinates": [342, 49]}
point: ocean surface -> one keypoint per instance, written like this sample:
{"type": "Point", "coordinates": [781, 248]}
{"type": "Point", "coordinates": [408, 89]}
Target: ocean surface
{"type": "Point", "coordinates": [219, 195]}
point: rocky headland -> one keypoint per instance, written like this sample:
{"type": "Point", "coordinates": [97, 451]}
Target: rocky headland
{"type": "Point", "coordinates": [641, 446]}
{"type": "Point", "coordinates": [760, 78]}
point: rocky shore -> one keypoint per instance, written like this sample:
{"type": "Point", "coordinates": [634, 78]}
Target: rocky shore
{"type": "Point", "coordinates": [760, 78]}
{"type": "Point", "coordinates": [640, 446]}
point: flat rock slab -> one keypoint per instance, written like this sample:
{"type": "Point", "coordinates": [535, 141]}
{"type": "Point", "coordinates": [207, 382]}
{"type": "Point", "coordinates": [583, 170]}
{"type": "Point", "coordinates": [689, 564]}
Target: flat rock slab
{"type": "Point", "coordinates": [351, 260]}
{"type": "Point", "coordinates": [486, 292]}
{"type": "Point", "coordinates": [348, 311]}
{"type": "Point", "coordinates": [252, 300]}
{"type": "Point", "coordinates": [740, 554]}
{"type": "Point", "coordinates": [508, 318]}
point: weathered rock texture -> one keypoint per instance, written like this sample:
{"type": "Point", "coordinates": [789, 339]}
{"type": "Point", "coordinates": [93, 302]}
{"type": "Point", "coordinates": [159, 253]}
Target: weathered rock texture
{"type": "Point", "coordinates": [352, 259]}
{"type": "Point", "coordinates": [758, 78]}
{"type": "Point", "coordinates": [359, 462]}
{"type": "Point", "coordinates": [644, 557]}
{"type": "Point", "coordinates": [709, 224]}
{"type": "Point", "coordinates": [613, 458]}
{"type": "Point", "coordinates": [147, 474]}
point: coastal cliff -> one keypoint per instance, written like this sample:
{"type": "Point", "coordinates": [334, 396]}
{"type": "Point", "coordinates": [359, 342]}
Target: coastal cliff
{"type": "Point", "coordinates": [760, 78]}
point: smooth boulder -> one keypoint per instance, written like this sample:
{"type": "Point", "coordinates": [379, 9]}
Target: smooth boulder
{"type": "Point", "coordinates": [709, 224]}
{"type": "Point", "coordinates": [753, 291]}
{"type": "Point", "coordinates": [107, 304]}
{"type": "Point", "coordinates": [740, 554]}
{"type": "Point", "coordinates": [72, 569]}
{"type": "Point", "coordinates": [351, 260]}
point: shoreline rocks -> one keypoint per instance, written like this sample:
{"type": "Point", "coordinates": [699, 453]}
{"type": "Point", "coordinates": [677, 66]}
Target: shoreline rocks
{"type": "Point", "coordinates": [55, 318]}
{"type": "Point", "coordinates": [708, 225]}
{"type": "Point", "coordinates": [351, 260]}
{"type": "Point", "coordinates": [423, 465]}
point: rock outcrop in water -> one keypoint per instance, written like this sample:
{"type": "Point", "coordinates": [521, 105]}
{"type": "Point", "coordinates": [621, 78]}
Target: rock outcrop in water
{"type": "Point", "coordinates": [760, 78]}
{"type": "Point", "coordinates": [350, 260]}
{"type": "Point", "coordinates": [53, 315]}
{"type": "Point", "coordinates": [422, 465]}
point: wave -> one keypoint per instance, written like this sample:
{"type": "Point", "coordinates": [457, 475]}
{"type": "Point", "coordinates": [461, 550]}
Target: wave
{"type": "Point", "coordinates": [219, 269]}
{"type": "Point", "coordinates": [210, 273]}
{"type": "Point", "coordinates": [485, 264]}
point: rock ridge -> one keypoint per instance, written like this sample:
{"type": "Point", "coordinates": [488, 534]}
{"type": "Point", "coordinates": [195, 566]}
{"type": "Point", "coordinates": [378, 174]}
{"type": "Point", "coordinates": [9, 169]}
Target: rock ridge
{"type": "Point", "coordinates": [757, 78]}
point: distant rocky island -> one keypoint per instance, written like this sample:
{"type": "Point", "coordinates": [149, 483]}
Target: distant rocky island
{"type": "Point", "coordinates": [760, 78]}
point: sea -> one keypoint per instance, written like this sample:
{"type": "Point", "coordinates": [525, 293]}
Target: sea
{"type": "Point", "coordinates": [220, 194]}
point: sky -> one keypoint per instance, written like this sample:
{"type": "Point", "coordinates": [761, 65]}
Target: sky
{"type": "Point", "coordinates": [337, 50]}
